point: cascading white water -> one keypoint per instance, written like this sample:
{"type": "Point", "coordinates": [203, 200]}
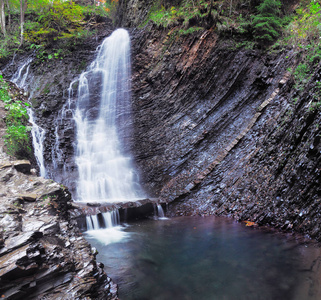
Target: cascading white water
{"type": "Point", "coordinates": [106, 229]}
{"type": "Point", "coordinates": [105, 171]}
{"type": "Point", "coordinates": [109, 219]}
{"type": "Point", "coordinates": [160, 212]}
{"type": "Point", "coordinates": [38, 136]}
{"type": "Point", "coordinates": [19, 78]}
{"type": "Point", "coordinates": [37, 133]}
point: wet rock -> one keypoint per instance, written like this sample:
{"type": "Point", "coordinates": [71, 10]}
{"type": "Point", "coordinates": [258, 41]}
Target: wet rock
{"type": "Point", "coordinates": [42, 252]}
{"type": "Point", "coordinates": [22, 166]}
{"type": "Point", "coordinates": [28, 197]}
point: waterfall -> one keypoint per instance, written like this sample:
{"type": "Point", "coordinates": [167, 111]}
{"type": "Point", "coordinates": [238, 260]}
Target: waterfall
{"type": "Point", "coordinates": [19, 78]}
{"type": "Point", "coordinates": [104, 220]}
{"type": "Point", "coordinates": [103, 121]}
{"type": "Point", "coordinates": [103, 129]}
{"type": "Point", "coordinates": [159, 212]}
{"type": "Point", "coordinates": [37, 133]}
{"type": "Point", "coordinates": [105, 227]}
{"type": "Point", "coordinates": [38, 136]}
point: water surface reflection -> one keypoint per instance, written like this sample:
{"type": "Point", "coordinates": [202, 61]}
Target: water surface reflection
{"type": "Point", "coordinates": [209, 258]}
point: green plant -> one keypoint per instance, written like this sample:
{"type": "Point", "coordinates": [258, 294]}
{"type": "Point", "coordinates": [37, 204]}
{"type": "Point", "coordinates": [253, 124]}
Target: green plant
{"type": "Point", "coordinates": [267, 23]}
{"type": "Point", "coordinates": [16, 138]}
{"type": "Point", "coordinates": [188, 14]}
{"type": "Point", "coordinates": [17, 112]}
{"type": "Point", "coordinates": [17, 141]}
{"type": "Point", "coordinates": [301, 73]}
{"type": "Point", "coordinates": [189, 30]}
{"type": "Point", "coordinates": [4, 94]}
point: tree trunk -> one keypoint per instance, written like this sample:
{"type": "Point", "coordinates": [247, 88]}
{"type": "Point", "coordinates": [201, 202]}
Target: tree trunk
{"type": "Point", "coordinates": [2, 18]}
{"type": "Point", "coordinates": [231, 7]}
{"type": "Point", "coordinates": [23, 8]}
{"type": "Point", "coordinates": [9, 16]}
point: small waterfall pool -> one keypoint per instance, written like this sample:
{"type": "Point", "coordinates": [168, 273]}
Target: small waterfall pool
{"type": "Point", "coordinates": [209, 258]}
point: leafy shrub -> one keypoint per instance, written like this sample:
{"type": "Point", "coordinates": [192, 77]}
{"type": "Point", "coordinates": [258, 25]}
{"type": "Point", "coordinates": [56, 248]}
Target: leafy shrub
{"type": "Point", "coordinates": [4, 95]}
{"type": "Point", "coordinates": [17, 113]}
{"type": "Point", "coordinates": [17, 141]}
{"type": "Point", "coordinates": [17, 138]}
{"type": "Point", "coordinates": [306, 27]}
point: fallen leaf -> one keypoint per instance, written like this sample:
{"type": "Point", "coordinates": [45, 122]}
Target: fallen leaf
{"type": "Point", "coordinates": [249, 223]}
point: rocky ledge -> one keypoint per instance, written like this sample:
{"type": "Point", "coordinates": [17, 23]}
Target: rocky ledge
{"type": "Point", "coordinates": [42, 252]}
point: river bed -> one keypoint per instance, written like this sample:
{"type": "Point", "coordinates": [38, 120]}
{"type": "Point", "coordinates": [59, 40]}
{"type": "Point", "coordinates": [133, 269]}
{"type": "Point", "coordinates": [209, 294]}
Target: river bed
{"type": "Point", "coordinates": [207, 258]}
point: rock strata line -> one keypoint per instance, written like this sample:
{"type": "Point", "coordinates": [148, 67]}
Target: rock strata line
{"type": "Point", "coordinates": [202, 175]}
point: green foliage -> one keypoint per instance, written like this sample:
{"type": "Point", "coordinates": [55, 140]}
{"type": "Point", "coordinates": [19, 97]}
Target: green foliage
{"type": "Point", "coordinates": [17, 141]}
{"type": "Point", "coordinates": [189, 30]}
{"type": "Point", "coordinates": [8, 45]}
{"type": "Point", "coordinates": [301, 73]}
{"type": "Point", "coordinates": [303, 34]}
{"type": "Point", "coordinates": [188, 14]}
{"type": "Point", "coordinates": [17, 138]}
{"type": "Point", "coordinates": [4, 95]}
{"type": "Point", "coordinates": [267, 23]}
{"type": "Point", "coordinates": [260, 21]}
{"type": "Point", "coordinates": [306, 26]}
{"type": "Point", "coordinates": [54, 21]}
{"type": "Point", "coordinates": [17, 113]}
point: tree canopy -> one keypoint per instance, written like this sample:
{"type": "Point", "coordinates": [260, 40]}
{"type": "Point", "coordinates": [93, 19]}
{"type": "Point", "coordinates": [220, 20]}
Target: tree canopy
{"type": "Point", "coordinates": [42, 22]}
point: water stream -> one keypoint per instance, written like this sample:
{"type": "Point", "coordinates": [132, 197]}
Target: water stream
{"type": "Point", "coordinates": [38, 136]}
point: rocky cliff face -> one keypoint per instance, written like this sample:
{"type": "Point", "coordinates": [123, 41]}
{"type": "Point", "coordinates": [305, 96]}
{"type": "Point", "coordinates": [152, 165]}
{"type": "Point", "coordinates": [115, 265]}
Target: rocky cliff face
{"type": "Point", "coordinates": [222, 130]}
{"type": "Point", "coordinates": [193, 97]}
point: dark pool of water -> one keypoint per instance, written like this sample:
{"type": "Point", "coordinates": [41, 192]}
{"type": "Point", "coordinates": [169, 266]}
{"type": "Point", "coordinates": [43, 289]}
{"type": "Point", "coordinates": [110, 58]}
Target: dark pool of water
{"type": "Point", "coordinates": [210, 258]}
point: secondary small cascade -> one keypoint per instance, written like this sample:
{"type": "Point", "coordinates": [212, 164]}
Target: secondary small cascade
{"type": "Point", "coordinates": [38, 135]}
{"type": "Point", "coordinates": [20, 77]}
{"type": "Point", "coordinates": [105, 227]}
{"type": "Point", "coordinates": [105, 171]}
{"type": "Point", "coordinates": [104, 220]}
{"type": "Point", "coordinates": [37, 132]}
{"type": "Point", "coordinates": [159, 212]}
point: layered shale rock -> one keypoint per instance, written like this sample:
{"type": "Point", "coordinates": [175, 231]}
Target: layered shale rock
{"type": "Point", "coordinates": [43, 255]}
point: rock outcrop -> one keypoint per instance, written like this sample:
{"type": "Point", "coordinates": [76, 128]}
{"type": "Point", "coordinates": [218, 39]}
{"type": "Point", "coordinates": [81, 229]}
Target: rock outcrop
{"type": "Point", "coordinates": [43, 255]}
